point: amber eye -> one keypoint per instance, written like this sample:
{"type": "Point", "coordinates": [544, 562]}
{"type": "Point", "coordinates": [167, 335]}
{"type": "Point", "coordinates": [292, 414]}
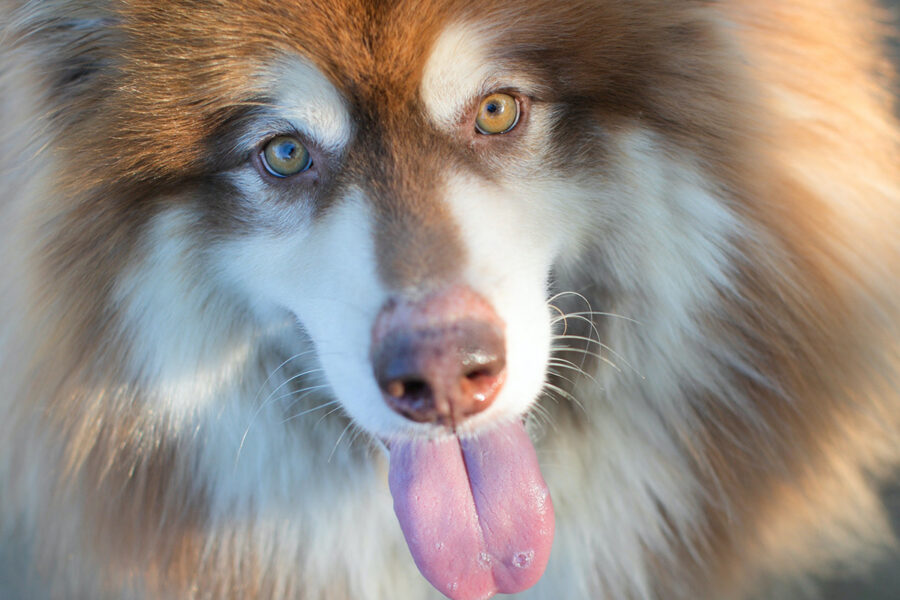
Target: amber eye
{"type": "Point", "coordinates": [285, 155]}
{"type": "Point", "coordinates": [497, 113]}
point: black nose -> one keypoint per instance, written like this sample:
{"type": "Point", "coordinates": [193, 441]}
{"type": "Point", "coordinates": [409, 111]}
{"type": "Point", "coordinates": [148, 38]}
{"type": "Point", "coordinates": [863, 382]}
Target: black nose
{"type": "Point", "coordinates": [436, 366]}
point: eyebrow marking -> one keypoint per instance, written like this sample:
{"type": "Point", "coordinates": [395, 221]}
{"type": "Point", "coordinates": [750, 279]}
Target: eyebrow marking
{"type": "Point", "coordinates": [306, 98]}
{"type": "Point", "coordinates": [456, 70]}
{"type": "Point", "coordinates": [460, 70]}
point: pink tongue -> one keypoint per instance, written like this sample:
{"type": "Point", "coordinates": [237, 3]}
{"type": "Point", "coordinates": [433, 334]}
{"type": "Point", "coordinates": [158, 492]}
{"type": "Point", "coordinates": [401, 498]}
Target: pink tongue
{"type": "Point", "coordinates": [476, 513]}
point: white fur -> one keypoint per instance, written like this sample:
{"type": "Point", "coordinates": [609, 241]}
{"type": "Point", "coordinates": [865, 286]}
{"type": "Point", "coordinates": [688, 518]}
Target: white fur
{"type": "Point", "coordinates": [309, 101]}
{"type": "Point", "coordinates": [254, 458]}
{"type": "Point", "coordinates": [509, 261]}
{"type": "Point", "coordinates": [327, 278]}
{"type": "Point", "coordinates": [254, 444]}
{"type": "Point", "coordinates": [631, 461]}
{"type": "Point", "coordinates": [458, 72]}
{"type": "Point", "coordinates": [185, 341]}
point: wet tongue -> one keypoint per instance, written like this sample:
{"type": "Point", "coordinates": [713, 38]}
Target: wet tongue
{"type": "Point", "coordinates": [476, 512]}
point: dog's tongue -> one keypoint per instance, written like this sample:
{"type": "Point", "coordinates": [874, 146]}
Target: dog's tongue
{"type": "Point", "coordinates": [476, 512]}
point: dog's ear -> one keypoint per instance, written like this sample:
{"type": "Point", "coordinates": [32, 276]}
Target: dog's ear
{"type": "Point", "coordinates": [72, 42]}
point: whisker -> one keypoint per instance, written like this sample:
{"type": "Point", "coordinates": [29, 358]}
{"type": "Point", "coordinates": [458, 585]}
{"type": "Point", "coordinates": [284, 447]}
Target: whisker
{"type": "Point", "coordinates": [337, 443]}
{"type": "Point", "coordinates": [266, 401]}
{"type": "Point", "coordinates": [357, 432]}
{"type": "Point", "coordinates": [568, 364]}
{"type": "Point", "coordinates": [541, 416]}
{"type": "Point", "coordinates": [594, 354]}
{"type": "Point", "coordinates": [565, 395]}
{"type": "Point", "coordinates": [269, 398]}
{"type": "Point", "coordinates": [330, 412]}
{"type": "Point", "coordinates": [601, 345]}
{"type": "Point", "coordinates": [562, 317]}
{"type": "Point", "coordinates": [570, 293]}
{"type": "Point", "coordinates": [583, 338]}
{"type": "Point", "coordinates": [278, 368]}
{"type": "Point", "coordinates": [589, 322]}
{"type": "Point", "coordinates": [597, 313]}
{"type": "Point", "coordinates": [301, 394]}
{"type": "Point", "coordinates": [309, 410]}
{"type": "Point", "coordinates": [557, 374]}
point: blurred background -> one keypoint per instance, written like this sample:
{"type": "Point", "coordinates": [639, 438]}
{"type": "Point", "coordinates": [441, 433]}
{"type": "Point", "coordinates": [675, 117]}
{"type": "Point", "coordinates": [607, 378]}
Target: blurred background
{"type": "Point", "coordinates": [884, 581]}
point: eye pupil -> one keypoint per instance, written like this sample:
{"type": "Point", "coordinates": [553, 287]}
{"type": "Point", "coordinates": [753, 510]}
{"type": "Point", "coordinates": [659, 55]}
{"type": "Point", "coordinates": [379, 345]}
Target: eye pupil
{"type": "Point", "coordinates": [286, 150]}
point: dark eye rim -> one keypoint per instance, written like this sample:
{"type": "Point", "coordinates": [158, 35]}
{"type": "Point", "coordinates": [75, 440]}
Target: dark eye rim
{"type": "Point", "coordinates": [269, 174]}
{"type": "Point", "coordinates": [519, 109]}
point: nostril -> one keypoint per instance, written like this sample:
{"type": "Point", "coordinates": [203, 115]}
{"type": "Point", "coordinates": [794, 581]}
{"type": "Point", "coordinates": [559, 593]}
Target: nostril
{"type": "Point", "coordinates": [411, 397]}
{"type": "Point", "coordinates": [413, 389]}
{"type": "Point", "coordinates": [482, 366]}
{"type": "Point", "coordinates": [480, 385]}
{"type": "Point", "coordinates": [478, 374]}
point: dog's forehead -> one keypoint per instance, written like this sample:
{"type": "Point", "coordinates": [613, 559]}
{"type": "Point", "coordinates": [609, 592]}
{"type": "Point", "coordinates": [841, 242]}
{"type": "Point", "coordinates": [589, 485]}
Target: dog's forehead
{"type": "Point", "coordinates": [382, 58]}
{"type": "Point", "coordinates": [372, 52]}
{"type": "Point", "coordinates": [458, 67]}
{"type": "Point", "coordinates": [454, 68]}
{"type": "Point", "coordinates": [388, 54]}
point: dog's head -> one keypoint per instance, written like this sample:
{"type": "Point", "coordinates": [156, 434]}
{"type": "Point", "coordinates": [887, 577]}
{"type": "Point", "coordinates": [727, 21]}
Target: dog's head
{"type": "Point", "coordinates": [423, 190]}
{"type": "Point", "coordinates": [406, 183]}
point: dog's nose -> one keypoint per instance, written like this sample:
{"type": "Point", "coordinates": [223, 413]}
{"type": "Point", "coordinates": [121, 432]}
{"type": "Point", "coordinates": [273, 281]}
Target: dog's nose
{"type": "Point", "coordinates": [439, 359]}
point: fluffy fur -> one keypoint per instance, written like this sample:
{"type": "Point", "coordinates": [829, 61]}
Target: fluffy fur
{"type": "Point", "coordinates": [692, 240]}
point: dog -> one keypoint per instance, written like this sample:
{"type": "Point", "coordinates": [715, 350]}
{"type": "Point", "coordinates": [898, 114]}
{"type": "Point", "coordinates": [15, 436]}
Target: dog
{"type": "Point", "coordinates": [359, 299]}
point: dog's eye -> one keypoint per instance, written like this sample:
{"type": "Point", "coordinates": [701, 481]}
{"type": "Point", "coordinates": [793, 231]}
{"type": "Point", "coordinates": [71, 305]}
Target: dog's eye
{"type": "Point", "coordinates": [497, 113]}
{"type": "Point", "coordinates": [285, 155]}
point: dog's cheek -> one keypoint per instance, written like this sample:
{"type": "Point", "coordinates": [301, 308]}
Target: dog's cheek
{"type": "Point", "coordinates": [326, 278]}
{"type": "Point", "coordinates": [263, 262]}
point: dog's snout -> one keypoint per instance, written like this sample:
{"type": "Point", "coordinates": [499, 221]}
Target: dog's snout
{"type": "Point", "coordinates": [443, 373]}
{"type": "Point", "coordinates": [440, 359]}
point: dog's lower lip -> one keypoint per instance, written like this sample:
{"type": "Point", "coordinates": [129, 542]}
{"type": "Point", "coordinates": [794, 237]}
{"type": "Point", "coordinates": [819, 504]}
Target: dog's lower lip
{"type": "Point", "coordinates": [441, 431]}
{"type": "Point", "coordinates": [423, 432]}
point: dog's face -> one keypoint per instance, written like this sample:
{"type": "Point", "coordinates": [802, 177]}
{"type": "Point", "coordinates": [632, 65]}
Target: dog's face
{"type": "Point", "coordinates": [405, 205]}
{"type": "Point", "coordinates": [407, 184]}
{"type": "Point", "coordinates": [343, 165]}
